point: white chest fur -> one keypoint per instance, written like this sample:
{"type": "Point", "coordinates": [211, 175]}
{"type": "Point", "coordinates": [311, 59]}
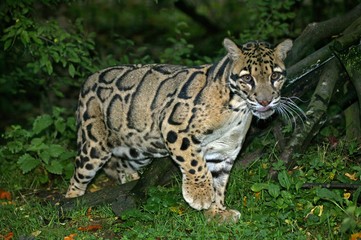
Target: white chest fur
{"type": "Point", "coordinates": [226, 142]}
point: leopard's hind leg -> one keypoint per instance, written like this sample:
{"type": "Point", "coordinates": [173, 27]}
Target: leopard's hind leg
{"type": "Point", "coordinates": [93, 151]}
{"type": "Point", "coordinates": [87, 164]}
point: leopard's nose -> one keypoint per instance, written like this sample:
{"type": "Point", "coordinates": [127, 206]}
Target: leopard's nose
{"type": "Point", "coordinates": [264, 103]}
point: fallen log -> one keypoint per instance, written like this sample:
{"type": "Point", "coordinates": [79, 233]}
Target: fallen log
{"type": "Point", "coordinates": [126, 196]}
{"type": "Point", "coordinates": [103, 196]}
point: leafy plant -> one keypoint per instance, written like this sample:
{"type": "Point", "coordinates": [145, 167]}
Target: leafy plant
{"type": "Point", "coordinates": [45, 49]}
{"type": "Point", "coordinates": [346, 208]}
{"type": "Point", "coordinates": [44, 148]}
{"type": "Point", "coordinates": [180, 51]}
{"type": "Point", "coordinates": [43, 58]}
{"type": "Point", "coordinates": [269, 20]}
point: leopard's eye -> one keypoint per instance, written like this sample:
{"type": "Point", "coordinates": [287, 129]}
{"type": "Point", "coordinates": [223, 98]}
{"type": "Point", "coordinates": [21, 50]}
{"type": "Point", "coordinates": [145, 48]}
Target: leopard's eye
{"type": "Point", "coordinates": [275, 76]}
{"type": "Point", "coordinates": [247, 78]}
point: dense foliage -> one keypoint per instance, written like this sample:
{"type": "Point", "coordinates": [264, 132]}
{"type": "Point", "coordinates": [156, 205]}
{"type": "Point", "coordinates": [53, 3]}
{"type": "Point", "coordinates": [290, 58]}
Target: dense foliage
{"type": "Point", "coordinates": [49, 47]}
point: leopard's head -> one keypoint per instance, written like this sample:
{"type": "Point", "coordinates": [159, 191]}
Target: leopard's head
{"type": "Point", "coordinates": [257, 74]}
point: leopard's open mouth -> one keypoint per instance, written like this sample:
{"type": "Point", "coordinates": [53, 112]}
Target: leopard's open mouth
{"type": "Point", "coordinates": [263, 112]}
{"type": "Point", "coordinates": [263, 109]}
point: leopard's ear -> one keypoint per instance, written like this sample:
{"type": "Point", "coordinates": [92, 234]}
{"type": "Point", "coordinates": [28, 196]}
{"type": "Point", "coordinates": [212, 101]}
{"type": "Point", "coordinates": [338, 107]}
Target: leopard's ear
{"type": "Point", "coordinates": [232, 49]}
{"type": "Point", "coordinates": [283, 48]}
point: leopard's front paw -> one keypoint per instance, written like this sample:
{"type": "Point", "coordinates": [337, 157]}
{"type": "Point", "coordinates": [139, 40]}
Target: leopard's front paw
{"type": "Point", "coordinates": [221, 216]}
{"type": "Point", "coordinates": [199, 195]}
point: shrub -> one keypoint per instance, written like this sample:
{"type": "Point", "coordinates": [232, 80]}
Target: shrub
{"type": "Point", "coordinates": [45, 148]}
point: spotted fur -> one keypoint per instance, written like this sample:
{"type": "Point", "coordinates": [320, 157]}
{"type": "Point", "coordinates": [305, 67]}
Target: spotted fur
{"type": "Point", "coordinates": [199, 116]}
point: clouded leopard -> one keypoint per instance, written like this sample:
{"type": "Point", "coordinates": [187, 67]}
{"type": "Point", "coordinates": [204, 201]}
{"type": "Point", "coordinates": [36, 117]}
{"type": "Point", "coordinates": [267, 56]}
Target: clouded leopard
{"type": "Point", "coordinates": [199, 116]}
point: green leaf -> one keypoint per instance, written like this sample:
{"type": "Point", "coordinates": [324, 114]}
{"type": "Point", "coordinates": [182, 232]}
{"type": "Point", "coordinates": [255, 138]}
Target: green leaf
{"type": "Point", "coordinates": [37, 141]}
{"type": "Point", "coordinates": [71, 70]}
{"type": "Point", "coordinates": [350, 210]}
{"type": "Point", "coordinates": [284, 179]}
{"type": "Point", "coordinates": [57, 92]}
{"type": "Point", "coordinates": [15, 146]}
{"type": "Point", "coordinates": [55, 167]}
{"type": "Point", "coordinates": [43, 59]}
{"type": "Point", "coordinates": [55, 56]}
{"type": "Point", "coordinates": [41, 123]}
{"type": "Point", "coordinates": [42, 178]}
{"type": "Point", "coordinates": [37, 144]}
{"type": "Point", "coordinates": [36, 39]}
{"type": "Point", "coordinates": [55, 150]}
{"type": "Point", "coordinates": [24, 36]}
{"type": "Point", "coordinates": [49, 67]}
{"type": "Point", "coordinates": [60, 125]}
{"type": "Point", "coordinates": [257, 187]}
{"type": "Point", "coordinates": [67, 155]}
{"type": "Point", "coordinates": [45, 156]}
{"type": "Point", "coordinates": [357, 212]}
{"type": "Point", "coordinates": [356, 194]}
{"type": "Point", "coordinates": [328, 195]}
{"type": "Point", "coordinates": [274, 190]}
{"type": "Point", "coordinates": [348, 224]}
{"type": "Point", "coordinates": [58, 111]}
{"type": "Point", "coordinates": [28, 163]}
{"type": "Point", "coordinates": [286, 195]}
{"type": "Point", "coordinates": [281, 203]}
{"type": "Point", "coordinates": [7, 44]}
{"type": "Point", "coordinates": [299, 183]}
{"type": "Point", "coordinates": [71, 123]}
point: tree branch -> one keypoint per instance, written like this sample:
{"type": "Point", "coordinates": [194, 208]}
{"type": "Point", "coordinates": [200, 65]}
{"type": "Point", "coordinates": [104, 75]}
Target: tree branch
{"type": "Point", "coordinates": [332, 185]}
{"type": "Point", "coordinates": [315, 33]}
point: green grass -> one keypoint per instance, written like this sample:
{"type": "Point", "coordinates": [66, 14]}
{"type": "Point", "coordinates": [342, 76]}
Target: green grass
{"type": "Point", "coordinates": [277, 209]}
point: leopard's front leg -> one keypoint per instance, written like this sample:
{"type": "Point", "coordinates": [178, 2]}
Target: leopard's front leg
{"type": "Point", "coordinates": [220, 170]}
{"type": "Point", "coordinates": [198, 189]}
{"type": "Point", "coordinates": [197, 184]}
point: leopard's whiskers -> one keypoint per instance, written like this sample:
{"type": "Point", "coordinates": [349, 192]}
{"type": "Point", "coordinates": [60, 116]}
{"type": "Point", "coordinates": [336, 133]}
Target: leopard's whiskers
{"type": "Point", "coordinates": [290, 111]}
